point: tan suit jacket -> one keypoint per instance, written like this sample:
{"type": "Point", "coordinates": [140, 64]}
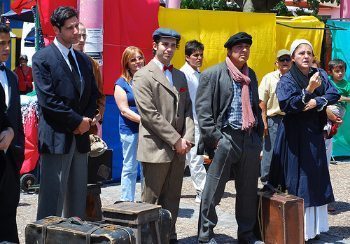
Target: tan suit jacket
{"type": "Point", "coordinates": [166, 113]}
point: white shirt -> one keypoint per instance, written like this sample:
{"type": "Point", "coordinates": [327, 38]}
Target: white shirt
{"type": "Point", "coordinates": [167, 73]}
{"type": "Point", "coordinates": [5, 85]}
{"type": "Point", "coordinates": [192, 77]}
{"type": "Point", "coordinates": [65, 51]}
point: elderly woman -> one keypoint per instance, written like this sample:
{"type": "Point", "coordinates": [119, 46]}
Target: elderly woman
{"type": "Point", "coordinates": [129, 119]}
{"type": "Point", "coordinates": [299, 163]}
{"type": "Point", "coordinates": [24, 73]}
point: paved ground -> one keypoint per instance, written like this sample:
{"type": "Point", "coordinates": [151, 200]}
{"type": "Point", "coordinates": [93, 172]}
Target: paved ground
{"type": "Point", "coordinates": [227, 227]}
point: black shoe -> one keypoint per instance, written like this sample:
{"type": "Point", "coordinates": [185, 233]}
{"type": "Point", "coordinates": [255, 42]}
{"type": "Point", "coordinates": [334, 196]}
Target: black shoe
{"type": "Point", "coordinates": [173, 241]}
{"type": "Point", "coordinates": [250, 240]}
{"type": "Point", "coordinates": [212, 241]}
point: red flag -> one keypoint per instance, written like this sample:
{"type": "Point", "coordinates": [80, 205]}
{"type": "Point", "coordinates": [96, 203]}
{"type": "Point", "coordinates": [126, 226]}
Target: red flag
{"type": "Point", "coordinates": [126, 23]}
{"type": "Point", "coordinates": [19, 5]}
{"type": "Point", "coordinates": [46, 9]}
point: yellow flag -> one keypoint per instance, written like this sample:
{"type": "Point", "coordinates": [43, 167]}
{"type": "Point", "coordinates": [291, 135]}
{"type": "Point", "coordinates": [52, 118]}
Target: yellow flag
{"type": "Point", "coordinates": [213, 28]}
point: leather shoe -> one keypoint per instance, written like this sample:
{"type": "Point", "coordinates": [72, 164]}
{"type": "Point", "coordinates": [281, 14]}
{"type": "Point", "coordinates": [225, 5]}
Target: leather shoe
{"type": "Point", "coordinates": [250, 240]}
{"type": "Point", "coordinates": [212, 241]}
{"type": "Point", "coordinates": [173, 241]}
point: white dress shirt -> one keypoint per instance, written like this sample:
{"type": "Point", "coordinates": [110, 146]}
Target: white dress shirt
{"type": "Point", "coordinates": [65, 51]}
{"type": "Point", "coordinates": [5, 85]}
{"type": "Point", "coordinates": [192, 77]}
{"type": "Point", "coordinates": [167, 73]}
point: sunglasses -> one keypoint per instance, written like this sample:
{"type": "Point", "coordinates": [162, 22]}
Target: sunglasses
{"type": "Point", "coordinates": [286, 59]}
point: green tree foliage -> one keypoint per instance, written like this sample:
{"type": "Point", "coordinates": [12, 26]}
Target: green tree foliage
{"type": "Point", "coordinates": [209, 5]}
{"type": "Point", "coordinates": [254, 5]}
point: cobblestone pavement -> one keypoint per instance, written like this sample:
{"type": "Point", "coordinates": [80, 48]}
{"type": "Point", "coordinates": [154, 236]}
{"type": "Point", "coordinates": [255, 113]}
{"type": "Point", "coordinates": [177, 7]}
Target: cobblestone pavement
{"type": "Point", "coordinates": [226, 230]}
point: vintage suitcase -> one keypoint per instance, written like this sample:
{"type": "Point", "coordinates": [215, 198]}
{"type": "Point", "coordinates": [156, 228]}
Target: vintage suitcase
{"type": "Point", "coordinates": [280, 218]}
{"type": "Point", "coordinates": [150, 223]}
{"type": "Point", "coordinates": [164, 222]}
{"type": "Point", "coordinates": [100, 168]}
{"type": "Point", "coordinates": [57, 230]}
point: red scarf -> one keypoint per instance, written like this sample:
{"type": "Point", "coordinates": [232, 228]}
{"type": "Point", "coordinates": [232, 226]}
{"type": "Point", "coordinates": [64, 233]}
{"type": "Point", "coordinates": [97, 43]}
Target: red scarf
{"type": "Point", "coordinates": [242, 77]}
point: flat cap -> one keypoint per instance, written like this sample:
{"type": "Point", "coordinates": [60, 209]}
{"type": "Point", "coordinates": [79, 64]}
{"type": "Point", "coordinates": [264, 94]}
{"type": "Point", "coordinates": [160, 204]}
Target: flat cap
{"type": "Point", "coordinates": [282, 52]}
{"type": "Point", "coordinates": [240, 37]}
{"type": "Point", "coordinates": [165, 32]}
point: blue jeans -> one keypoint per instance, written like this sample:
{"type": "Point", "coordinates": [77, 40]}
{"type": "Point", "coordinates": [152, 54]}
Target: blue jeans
{"type": "Point", "coordinates": [130, 165]}
{"type": "Point", "coordinates": [269, 144]}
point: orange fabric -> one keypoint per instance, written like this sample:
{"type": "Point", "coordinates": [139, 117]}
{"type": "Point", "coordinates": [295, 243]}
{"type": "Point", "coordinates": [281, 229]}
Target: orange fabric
{"type": "Point", "coordinates": [24, 81]}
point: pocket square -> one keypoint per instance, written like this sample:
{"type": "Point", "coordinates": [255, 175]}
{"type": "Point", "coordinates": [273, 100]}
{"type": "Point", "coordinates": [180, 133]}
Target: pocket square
{"type": "Point", "coordinates": [183, 89]}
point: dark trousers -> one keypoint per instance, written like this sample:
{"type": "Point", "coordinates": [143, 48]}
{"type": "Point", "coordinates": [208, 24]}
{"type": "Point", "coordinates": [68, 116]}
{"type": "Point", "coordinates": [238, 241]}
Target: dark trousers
{"type": "Point", "coordinates": [162, 185]}
{"type": "Point", "coordinates": [240, 150]}
{"type": "Point", "coordinates": [269, 143]}
{"type": "Point", "coordinates": [9, 198]}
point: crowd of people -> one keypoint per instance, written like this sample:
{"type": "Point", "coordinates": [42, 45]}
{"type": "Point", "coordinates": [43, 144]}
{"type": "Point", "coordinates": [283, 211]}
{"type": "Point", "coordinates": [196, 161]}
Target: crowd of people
{"type": "Point", "coordinates": [170, 118]}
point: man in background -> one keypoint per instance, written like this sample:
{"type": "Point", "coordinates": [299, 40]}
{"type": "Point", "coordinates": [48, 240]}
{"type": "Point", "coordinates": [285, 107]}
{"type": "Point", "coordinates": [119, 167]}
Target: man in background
{"type": "Point", "coordinates": [270, 109]}
{"type": "Point", "coordinates": [101, 100]}
{"type": "Point", "coordinates": [194, 60]}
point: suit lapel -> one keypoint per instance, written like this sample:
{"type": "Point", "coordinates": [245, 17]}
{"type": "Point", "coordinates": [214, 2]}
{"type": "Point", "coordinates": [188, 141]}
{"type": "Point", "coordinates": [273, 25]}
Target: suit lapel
{"type": "Point", "coordinates": [64, 64]}
{"type": "Point", "coordinates": [159, 76]}
{"type": "Point", "coordinates": [80, 62]}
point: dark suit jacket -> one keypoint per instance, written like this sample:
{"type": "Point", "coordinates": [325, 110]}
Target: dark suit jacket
{"type": "Point", "coordinates": [213, 99]}
{"type": "Point", "coordinates": [10, 163]}
{"type": "Point", "coordinates": [61, 107]}
{"type": "Point", "coordinates": [16, 149]}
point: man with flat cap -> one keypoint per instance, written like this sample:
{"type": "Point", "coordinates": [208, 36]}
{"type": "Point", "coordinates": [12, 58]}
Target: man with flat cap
{"type": "Point", "coordinates": [231, 127]}
{"type": "Point", "coordinates": [166, 131]}
{"type": "Point", "coordinates": [271, 112]}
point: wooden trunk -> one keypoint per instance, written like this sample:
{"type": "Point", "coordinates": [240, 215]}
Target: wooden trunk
{"type": "Point", "coordinates": [57, 230]}
{"type": "Point", "coordinates": [150, 223]}
{"type": "Point", "coordinates": [281, 218]}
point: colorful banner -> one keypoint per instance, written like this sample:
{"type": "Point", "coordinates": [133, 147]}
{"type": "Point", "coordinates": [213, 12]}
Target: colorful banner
{"type": "Point", "coordinates": [19, 5]}
{"type": "Point", "coordinates": [213, 28]}
{"type": "Point", "coordinates": [290, 28]}
{"type": "Point", "coordinates": [341, 50]}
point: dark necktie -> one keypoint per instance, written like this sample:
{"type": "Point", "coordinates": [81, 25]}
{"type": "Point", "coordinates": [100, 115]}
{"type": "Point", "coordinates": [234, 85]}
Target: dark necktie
{"type": "Point", "coordinates": [75, 71]}
{"type": "Point", "coordinates": [170, 68]}
{"type": "Point", "coordinates": [2, 67]}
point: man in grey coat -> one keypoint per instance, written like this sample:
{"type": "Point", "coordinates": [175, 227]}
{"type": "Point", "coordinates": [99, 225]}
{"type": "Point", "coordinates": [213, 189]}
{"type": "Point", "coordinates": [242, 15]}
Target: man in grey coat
{"type": "Point", "coordinates": [231, 127]}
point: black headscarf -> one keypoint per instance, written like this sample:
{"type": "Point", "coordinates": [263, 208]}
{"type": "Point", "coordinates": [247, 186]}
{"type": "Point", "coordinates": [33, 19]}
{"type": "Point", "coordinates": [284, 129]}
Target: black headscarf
{"type": "Point", "coordinates": [303, 81]}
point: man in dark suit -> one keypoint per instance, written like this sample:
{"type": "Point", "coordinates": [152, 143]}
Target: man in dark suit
{"type": "Point", "coordinates": [230, 123]}
{"type": "Point", "coordinates": [67, 95]}
{"type": "Point", "coordinates": [11, 145]}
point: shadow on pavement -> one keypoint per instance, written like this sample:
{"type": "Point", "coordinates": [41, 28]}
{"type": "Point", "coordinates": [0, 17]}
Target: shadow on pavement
{"type": "Point", "coordinates": [185, 213]}
{"type": "Point", "coordinates": [339, 232]}
{"type": "Point", "coordinates": [340, 207]}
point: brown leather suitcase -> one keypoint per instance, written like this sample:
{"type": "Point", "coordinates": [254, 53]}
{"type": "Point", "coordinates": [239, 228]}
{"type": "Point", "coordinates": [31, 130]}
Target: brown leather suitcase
{"type": "Point", "coordinates": [280, 218]}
